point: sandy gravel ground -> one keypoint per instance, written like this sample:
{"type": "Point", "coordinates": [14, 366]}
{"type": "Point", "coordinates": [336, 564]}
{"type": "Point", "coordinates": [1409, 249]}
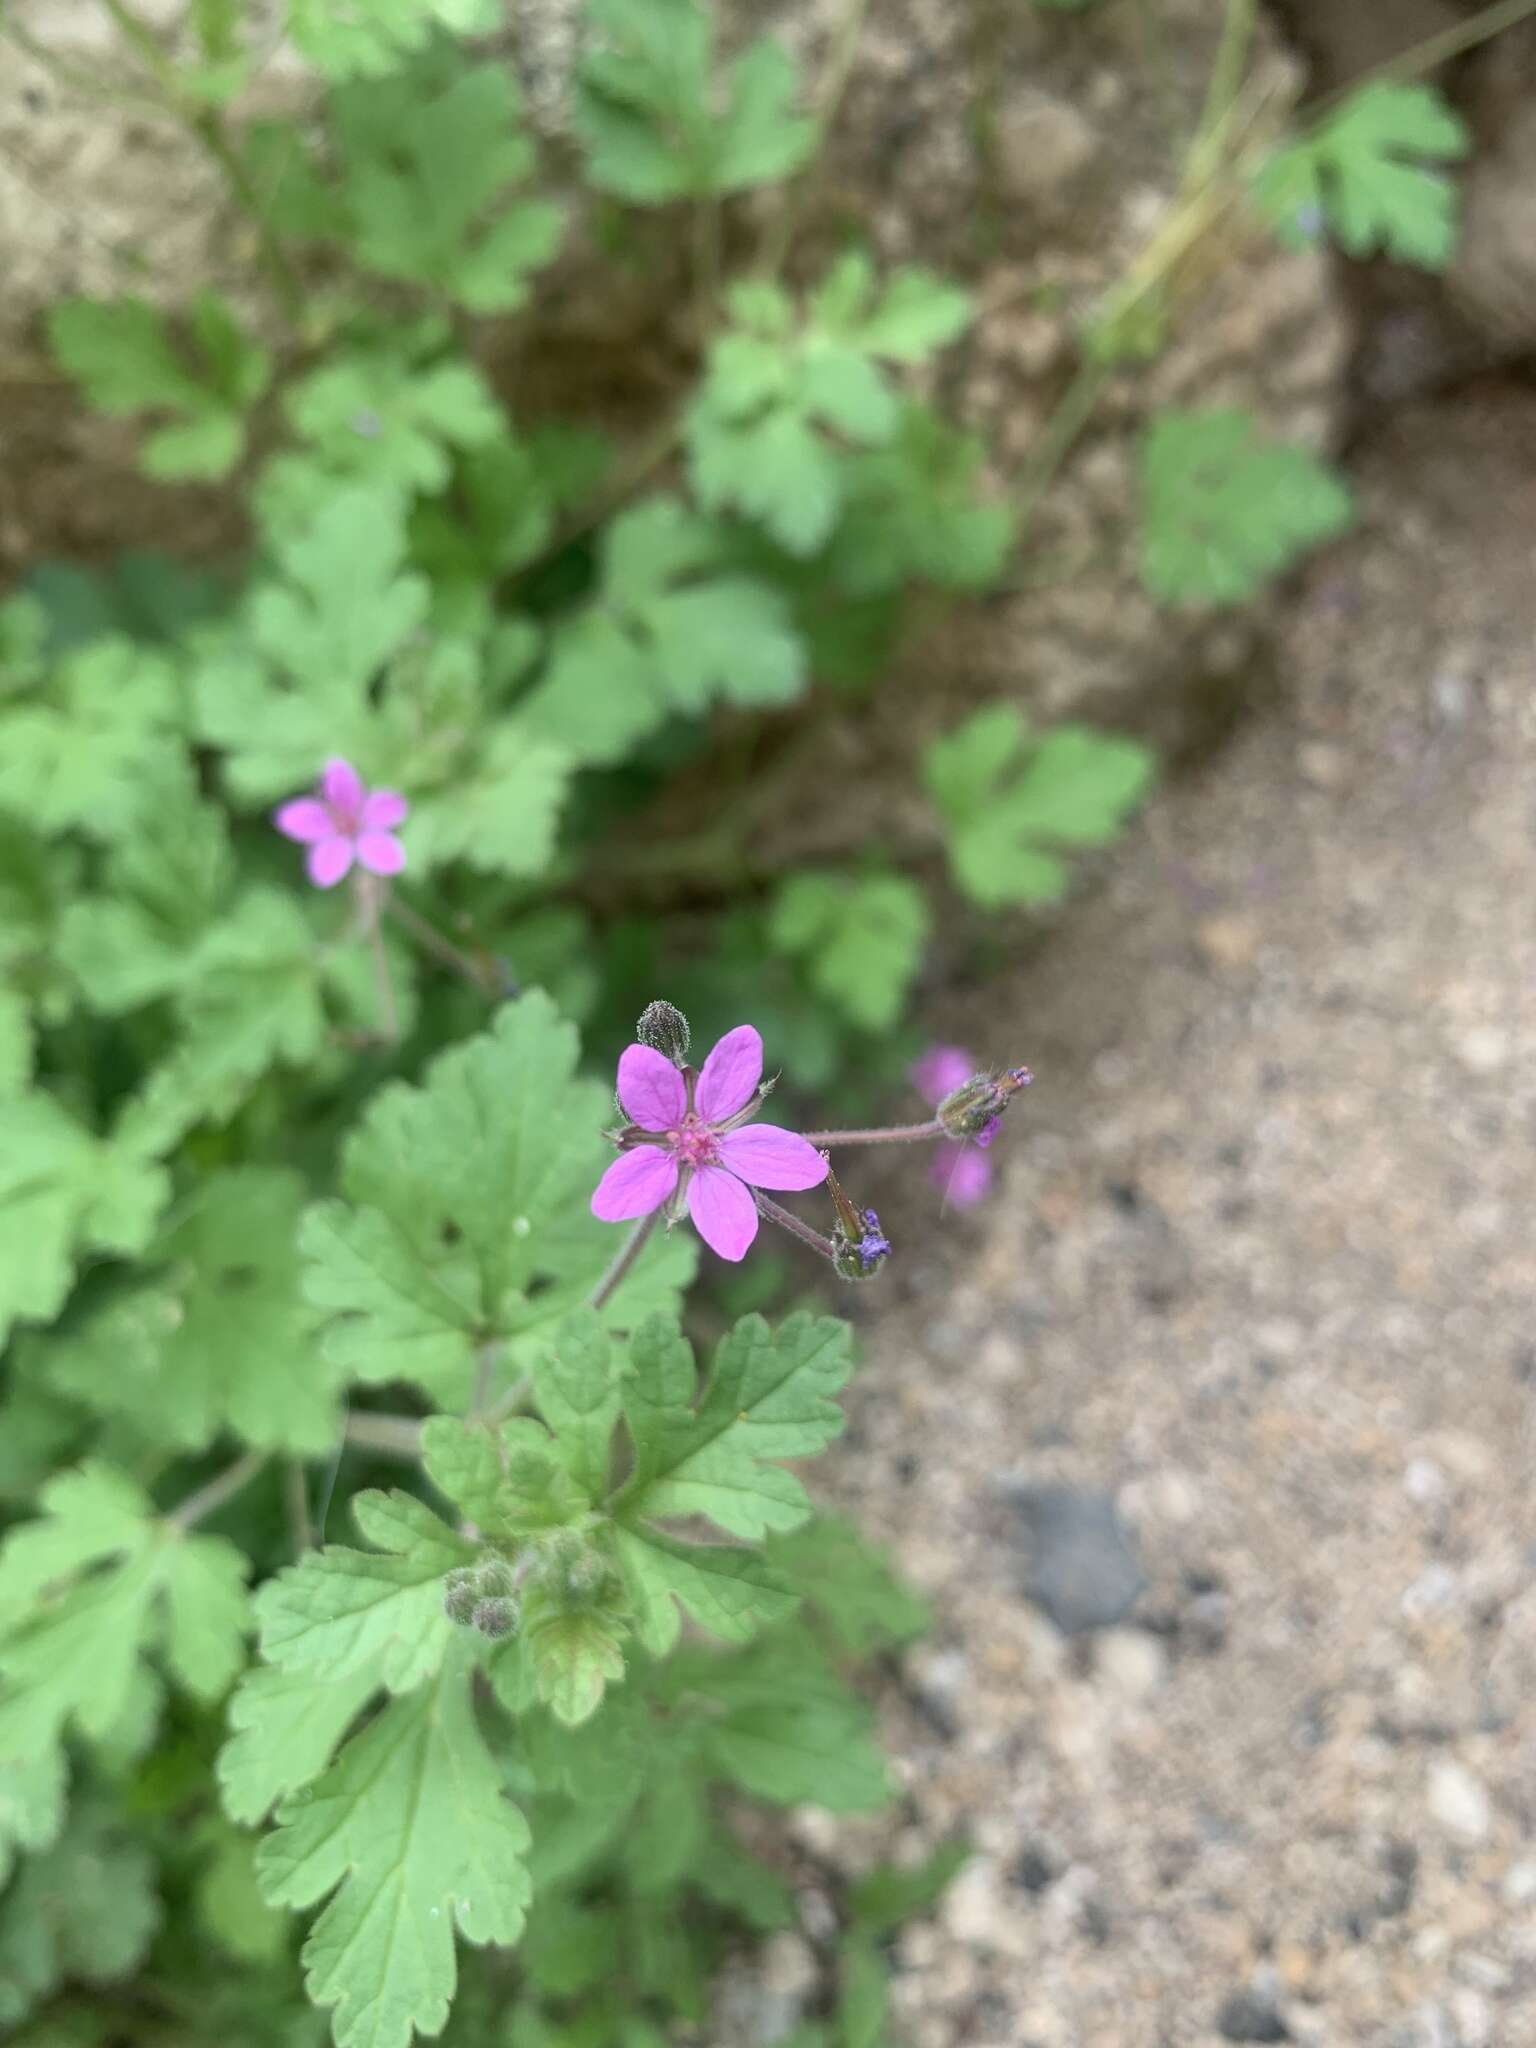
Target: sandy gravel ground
{"type": "Point", "coordinates": [1262, 1268]}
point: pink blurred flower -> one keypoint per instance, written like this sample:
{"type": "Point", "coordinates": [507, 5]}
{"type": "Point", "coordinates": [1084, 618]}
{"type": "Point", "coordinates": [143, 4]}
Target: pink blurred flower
{"type": "Point", "coordinates": [959, 1171]}
{"type": "Point", "coordinates": [686, 1140]}
{"type": "Point", "coordinates": [344, 823]}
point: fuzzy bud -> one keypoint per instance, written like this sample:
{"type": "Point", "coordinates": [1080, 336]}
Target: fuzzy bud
{"type": "Point", "coordinates": [972, 1110]}
{"type": "Point", "coordinates": [460, 1597]}
{"type": "Point", "coordinates": [495, 1578]}
{"type": "Point", "coordinates": [665, 1030]}
{"type": "Point", "coordinates": [496, 1618]}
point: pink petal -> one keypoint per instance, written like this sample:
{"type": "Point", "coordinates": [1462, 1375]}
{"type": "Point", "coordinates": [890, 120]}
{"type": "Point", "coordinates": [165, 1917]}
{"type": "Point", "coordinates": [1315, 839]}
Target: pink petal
{"type": "Point", "coordinates": [651, 1090]}
{"type": "Point", "coordinates": [342, 786]}
{"type": "Point", "coordinates": [329, 861]}
{"type": "Point", "coordinates": [382, 810]}
{"type": "Point", "coordinates": [724, 1214]}
{"type": "Point", "coordinates": [305, 819]}
{"type": "Point", "coordinates": [962, 1174]}
{"type": "Point", "coordinates": [380, 852]}
{"type": "Point", "coordinates": [767, 1157]}
{"type": "Point", "coordinates": [635, 1184]}
{"type": "Point", "coordinates": [942, 1069]}
{"type": "Point", "coordinates": [729, 1076]}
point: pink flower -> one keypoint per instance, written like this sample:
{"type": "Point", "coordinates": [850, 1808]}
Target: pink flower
{"type": "Point", "coordinates": [345, 822]}
{"type": "Point", "coordinates": [686, 1140]}
{"type": "Point", "coordinates": [959, 1171]}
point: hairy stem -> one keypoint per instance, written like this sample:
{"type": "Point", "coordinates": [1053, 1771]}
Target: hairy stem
{"type": "Point", "coordinates": [210, 1498]}
{"type": "Point", "coordinates": [891, 1134]}
{"type": "Point", "coordinates": [441, 948]}
{"type": "Point", "coordinates": [618, 1272]}
{"type": "Point", "coordinates": [787, 1220]}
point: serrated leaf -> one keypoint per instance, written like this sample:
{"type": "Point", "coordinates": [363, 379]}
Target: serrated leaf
{"type": "Point", "coordinates": [86, 1591]}
{"type": "Point", "coordinates": [63, 1192]}
{"type": "Point", "coordinates": [849, 1586]}
{"type": "Point", "coordinates": [124, 354]}
{"type": "Point", "coordinates": [576, 1654]}
{"type": "Point", "coordinates": [1370, 171]}
{"type": "Point", "coordinates": [912, 512]}
{"type": "Point", "coordinates": [467, 1214]}
{"type": "Point", "coordinates": [769, 1397]}
{"type": "Point", "coordinates": [394, 422]}
{"type": "Point", "coordinates": [250, 1000]}
{"type": "Point", "coordinates": [647, 114]}
{"type": "Point", "coordinates": [500, 815]}
{"type": "Point", "coordinates": [861, 938]}
{"type": "Point", "coordinates": [426, 185]}
{"type": "Point", "coordinates": [1224, 510]}
{"type": "Point", "coordinates": [730, 1592]}
{"type": "Point", "coordinates": [576, 1386]}
{"type": "Point", "coordinates": [669, 632]}
{"type": "Point", "coordinates": [780, 402]}
{"type": "Point", "coordinates": [1008, 801]}
{"type": "Point", "coordinates": [339, 1610]}
{"type": "Point", "coordinates": [411, 1831]}
{"type": "Point", "coordinates": [283, 1727]}
{"type": "Point", "coordinates": [78, 754]}
{"type": "Point", "coordinates": [218, 1336]}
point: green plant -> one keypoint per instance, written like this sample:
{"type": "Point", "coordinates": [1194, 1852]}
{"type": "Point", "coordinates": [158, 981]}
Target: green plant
{"type": "Point", "coordinates": [296, 1194]}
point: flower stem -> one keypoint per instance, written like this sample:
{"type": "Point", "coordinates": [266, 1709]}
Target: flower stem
{"type": "Point", "coordinates": [210, 1498]}
{"type": "Point", "coordinates": [787, 1220]}
{"type": "Point", "coordinates": [296, 1501]}
{"type": "Point", "coordinates": [618, 1272]}
{"type": "Point", "coordinates": [893, 1134]}
{"type": "Point", "coordinates": [394, 1436]}
{"type": "Point", "coordinates": [442, 948]}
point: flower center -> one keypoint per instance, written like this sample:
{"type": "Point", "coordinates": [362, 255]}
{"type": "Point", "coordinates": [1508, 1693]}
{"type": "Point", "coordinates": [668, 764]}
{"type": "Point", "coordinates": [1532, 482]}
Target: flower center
{"type": "Point", "coordinates": [693, 1142]}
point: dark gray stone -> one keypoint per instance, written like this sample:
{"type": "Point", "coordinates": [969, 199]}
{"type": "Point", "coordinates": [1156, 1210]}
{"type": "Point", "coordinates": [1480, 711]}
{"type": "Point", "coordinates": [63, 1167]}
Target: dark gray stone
{"type": "Point", "coordinates": [1248, 2017]}
{"type": "Point", "coordinates": [1084, 1572]}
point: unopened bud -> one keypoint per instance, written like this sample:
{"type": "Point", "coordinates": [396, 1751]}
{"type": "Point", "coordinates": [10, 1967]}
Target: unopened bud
{"type": "Point", "coordinates": [496, 1618]}
{"type": "Point", "coordinates": [460, 1597]}
{"type": "Point", "coordinates": [972, 1110]}
{"type": "Point", "coordinates": [665, 1030]}
{"type": "Point", "coordinates": [495, 1578]}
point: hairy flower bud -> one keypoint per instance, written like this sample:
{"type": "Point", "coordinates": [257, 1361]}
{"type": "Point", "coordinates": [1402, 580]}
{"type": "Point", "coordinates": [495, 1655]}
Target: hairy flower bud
{"type": "Point", "coordinates": [460, 1597]}
{"type": "Point", "coordinates": [665, 1030]}
{"type": "Point", "coordinates": [972, 1110]}
{"type": "Point", "coordinates": [496, 1618]}
{"type": "Point", "coordinates": [495, 1578]}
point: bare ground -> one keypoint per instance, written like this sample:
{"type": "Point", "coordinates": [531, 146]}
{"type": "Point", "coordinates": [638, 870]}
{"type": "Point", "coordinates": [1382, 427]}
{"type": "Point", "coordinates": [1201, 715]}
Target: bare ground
{"type": "Point", "coordinates": [1262, 1266]}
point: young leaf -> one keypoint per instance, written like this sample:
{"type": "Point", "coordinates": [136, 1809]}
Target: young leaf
{"type": "Point", "coordinates": [912, 513]}
{"type": "Point", "coordinates": [467, 1213]}
{"type": "Point", "coordinates": [426, 186]}
{"type": "Point", "coordinates": [411, 1832]}
{"type": "Point", "coordinates": [1223, 511]}
{"type": "Point", "coordinates": [669, 631]}
{"type": "Point", "coordinates": [339, 1611]}
{"type": "Point", "coordinates": [1007, 801]}
{"type": "Point", "coordinates": [760, 431]}
{"type": "Point", "coordinates": [123, 352]}
{"type": "Point", "coordinates": [63, 1192]}
{"type": "Point", "coordinates": [648, 115]}
{"type": "Point", "coordinates": [1370, 171]}
{"type": "Point", "coordinates": [860, 936]}
{"type": "Point", "coordinates": [368, 38]}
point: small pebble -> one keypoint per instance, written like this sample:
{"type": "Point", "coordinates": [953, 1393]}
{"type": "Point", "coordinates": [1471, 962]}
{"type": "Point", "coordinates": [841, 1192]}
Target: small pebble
{"type": "Point", "coordinates": [1458, 1801]}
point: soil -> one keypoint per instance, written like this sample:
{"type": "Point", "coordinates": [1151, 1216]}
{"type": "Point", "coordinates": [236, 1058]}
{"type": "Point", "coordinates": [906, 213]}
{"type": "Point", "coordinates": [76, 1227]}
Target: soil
{"type": "Point", "coordinates": [1259, 1266]}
